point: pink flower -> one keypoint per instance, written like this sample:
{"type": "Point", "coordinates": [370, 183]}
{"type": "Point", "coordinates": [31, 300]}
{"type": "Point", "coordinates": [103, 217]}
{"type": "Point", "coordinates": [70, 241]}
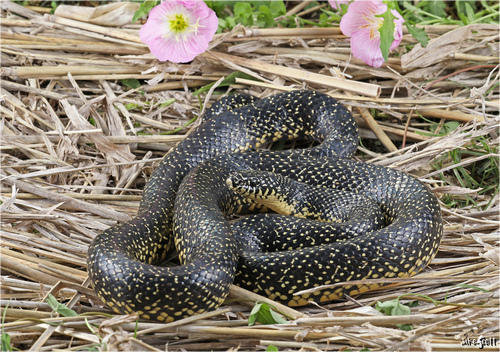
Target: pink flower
{"type": "Point", "coordinates": [178, 30]}
{"type": "Point", "coordinates": [335, 4]}
{"type": "Point", "coordinates": [362, 26]}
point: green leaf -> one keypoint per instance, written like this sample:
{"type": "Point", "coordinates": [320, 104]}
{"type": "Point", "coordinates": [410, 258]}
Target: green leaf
{"type": "Point", "coordinates": [131, 83]}
{"type": "Point", "coordinates": [6, 342]}
{"type": "Point", "coordinates": [60, 308]}
{"type": "Point", "coordinates": [265, 17]}
{"type": "Point", "coordinates": [326, 18]}
{"type": "Point", "coordinates": [144, 9]}
{"type": "Point", "coordinates": [271, 348]}
{"type": "Point", "coordinates": [132, 106]}
{"type": "Point", "coordinates": [400, 309]}
{"type": "Point", "coordinates": [386, 32]}
{"type": "Point", "coordinates": [222, 25]}
{"type": "Point", "coordinates": [394, 307]}
{"type": "Point", "coordinates": [167, 102]}
{"type": "Point", "coordinates": [413, 304]}
{"type": "Point", "coordinates": [471, 16]}
{"type": "Point", "coordinates": [405, 327]}
{"type": "Point", "coordinates": [418, 33]}
{"type": "Point", "coordinates": [230, 79]}
{"type": "Point", "coordinates": [243, 13]}
{"type": "Point", "coordinates": [254, 314]}
{"type": "Point", "coordinates": [263, 314]}
{"type": "Point", "coordinates": [385, 307]}
{"type": "Point", "coordinates": [448, 127]}
{"type": "Point", "coordinates": [463, 18]}
{"type": "Point", "coordinates": [278, 8]}
{"type": "Point", "coordinates": [461, 6]}
{"type": "Point", "coordinates": [5, 338]}
{"type": "Point", "coordinates": [218, 7]}
{"type": "Point", "coordinates": [343, 9]}
{"type": "Point", "coordinates": [54, 5]}
{"type": "Point", "coordinates": [231, 22]}
{"type": "Point", "coordinates": [437, 7]}
{"type": "Point", "coordinates": [466, 11]}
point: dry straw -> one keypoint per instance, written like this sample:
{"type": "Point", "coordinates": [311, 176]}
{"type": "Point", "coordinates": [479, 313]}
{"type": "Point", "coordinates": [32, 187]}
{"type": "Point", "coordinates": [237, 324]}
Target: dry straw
{"type": "Point", "coordinates": [64, 179]}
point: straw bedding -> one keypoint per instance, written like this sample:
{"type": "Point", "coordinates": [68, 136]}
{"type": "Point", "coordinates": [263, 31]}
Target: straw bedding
{"type": "Point", "coordinates": [78, 145]}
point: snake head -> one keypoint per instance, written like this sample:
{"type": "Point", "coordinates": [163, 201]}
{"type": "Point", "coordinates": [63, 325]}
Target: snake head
{"type": "Point", "coordinates": [267, 188]}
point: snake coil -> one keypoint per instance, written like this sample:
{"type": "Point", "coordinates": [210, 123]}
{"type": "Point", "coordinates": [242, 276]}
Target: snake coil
{"type": "Point", "coordinates": [186, 202]}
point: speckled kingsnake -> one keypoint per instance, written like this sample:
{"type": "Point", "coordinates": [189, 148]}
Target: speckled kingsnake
{"type": "Point", "coordinates": [192, 179]}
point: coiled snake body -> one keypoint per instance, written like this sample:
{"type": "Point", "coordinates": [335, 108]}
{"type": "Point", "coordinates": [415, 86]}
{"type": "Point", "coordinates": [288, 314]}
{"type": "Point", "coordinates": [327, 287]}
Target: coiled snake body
{"type": "Point", "coordinates": [187, 199]}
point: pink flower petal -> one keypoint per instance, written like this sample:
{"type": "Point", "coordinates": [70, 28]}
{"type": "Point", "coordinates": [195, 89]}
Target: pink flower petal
{"type": "Point", "coordinates": [168, 43]}
{"type": "Point", "coordinates": [366, 49]}
{"type": "Point", "coordinates": [189, 3]}
{"type": "Point", "coordinates": [195, 44]}
{"type": "Point", "coordinates": [362, 25]}
{"type": "Point", "coordinates": [166, 8]}
{"type": "Point", "coordinates": [150, 30]}
{"type": "Point", "coordinates": [167, 49]}
{"type": "Point", "coordinates": [357, 16]}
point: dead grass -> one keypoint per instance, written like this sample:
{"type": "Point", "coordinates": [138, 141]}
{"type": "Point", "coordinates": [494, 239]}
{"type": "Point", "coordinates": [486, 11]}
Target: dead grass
{"type": "Point", "coordinates": [77, 148]}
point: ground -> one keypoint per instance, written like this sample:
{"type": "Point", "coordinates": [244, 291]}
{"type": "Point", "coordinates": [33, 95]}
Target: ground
{"type": "Point", "coordinates": [87, 113]}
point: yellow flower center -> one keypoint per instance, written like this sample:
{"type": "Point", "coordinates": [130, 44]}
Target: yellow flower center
{"type": "Point", "coordinates": [178, 23]}
{"type": "Point", "coordinates": [374, 24]}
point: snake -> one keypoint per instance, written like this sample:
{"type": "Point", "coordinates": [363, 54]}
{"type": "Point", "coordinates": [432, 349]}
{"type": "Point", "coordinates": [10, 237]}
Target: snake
{"type": "Point", "coordinates": [187, 201]}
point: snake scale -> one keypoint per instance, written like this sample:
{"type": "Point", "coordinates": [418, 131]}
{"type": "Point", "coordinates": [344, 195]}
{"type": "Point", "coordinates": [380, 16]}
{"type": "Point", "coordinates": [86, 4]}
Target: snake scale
{"type": "Point", "coordinates": [186, 203]}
